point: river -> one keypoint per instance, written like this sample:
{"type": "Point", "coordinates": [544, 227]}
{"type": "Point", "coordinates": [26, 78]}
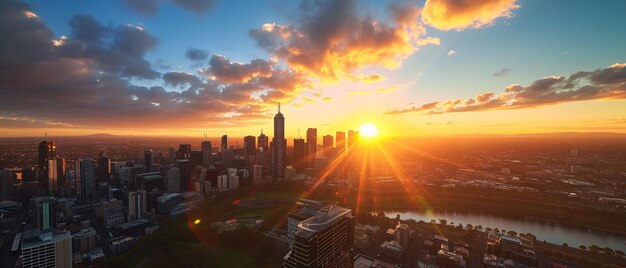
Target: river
{"type": "Point", "coordinates": [553, 233]}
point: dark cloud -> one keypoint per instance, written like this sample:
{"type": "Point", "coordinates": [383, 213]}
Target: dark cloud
{"type": "Point", "coordinates": [222, 69]}
{"type": "Point", "coordinates": [151, 7]}
{"type": "Point", "coordinates": [331, 40]}
{"type": "Point", "coordinates": [605, 83]}
{"type": "Point", "coordinates": [82, 80]}
{"type": "Point", "coordinates": [502, 72]}
{"type": "Point", "coordinates": [118, 49]}
{"type": "Point", "coordinates": [196, 54]}
{"type": "Point", "coordinates": [181, 78]}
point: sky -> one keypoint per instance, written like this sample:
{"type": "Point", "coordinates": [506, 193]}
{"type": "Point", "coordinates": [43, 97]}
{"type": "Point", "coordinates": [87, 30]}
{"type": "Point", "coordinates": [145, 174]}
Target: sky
{"type": "Point", "coordinates": [413, 68]}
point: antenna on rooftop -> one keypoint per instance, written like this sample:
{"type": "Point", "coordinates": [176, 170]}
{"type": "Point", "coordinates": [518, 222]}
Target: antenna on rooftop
{"type": "Point", "coordinates": [299, 136]}
{"type": "Point", "coordinates": [279, 107]}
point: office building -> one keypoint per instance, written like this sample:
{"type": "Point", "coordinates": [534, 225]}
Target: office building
{"type": "Point", "coordinates": [184, 165]}
{"type": "Point", "coordinates": [148, 159]}
{"type": "Point", "coordinates": [305, 208]}
{"type": "Point", "coordinates": [263, 142]}
{"type": "Point", "coordinates": [340, 141]}
{"type": "Point", "coordinates": [205, 146]}
{"type": "Point", "coordinates": [85, 180]}
{"type": "Point", "coordinates": [84, 240]}
{"type": "Point", "coordinates": [51, 249]}
{"type": "Point", "coordinates": [353, 139]}
{"type": "Point", "coordinates": [52, 177]}
{"type": "Point", "coordinates": [150, 181]}
{"type": "Point", "coordinates": [402, 235]}
{"type": "Point", "coordinates": [311, 142]}
{"type": "Point", "coordinates": [257, 174]}
{"type": "Point", "coordinates": [137, 202]}
{"type": "Point", "coordinates": [249, 145]}
{"type": "Point", "coordinates": [224, 144]}
{"type": "Point", "coordinates": [47, 152]}
{"type": "Point", "coordinates": [61, 176]}
{"type": "Point", "coordinates": [172, 180]}
{"type": "Point", "coordinates": [279, 149]}
{"type": "Point", "coordinates": [103, 173]}
{"type": "Point", "coordinates": [45, 213]}
{"type": "Point", "coordinates": [299, 155]}
{"type": "Point", "coordinates": [323, 240]}
{"type": "Point", "coordinates": [184, 151]}
{"type": "Point", "coordinates": [327, 145]}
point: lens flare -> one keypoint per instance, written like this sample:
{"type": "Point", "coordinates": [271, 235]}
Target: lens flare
{"type": "Point", "coordinates": [197, 221]}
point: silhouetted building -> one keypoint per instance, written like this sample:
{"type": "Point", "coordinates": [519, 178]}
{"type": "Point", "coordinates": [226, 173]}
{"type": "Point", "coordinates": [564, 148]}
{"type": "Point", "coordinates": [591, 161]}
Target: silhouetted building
{"type": "Point", "coordinates": [205, 146]}
{"type": "Point", "coordinates": [311, 142]}
{"type": "Point", "coordinates": [340, 140]}
{"type": "Point", "coordinates": [279, 150]}
{"type": "Point", "coordinates": [47, 152]}
{"type": "Point", "coordinates": [327, 145]}
{"type": "Point", "coordinates": [299, 155]}
{"type": "Point", "coordinates": [224, 144]}
{"type": "Point", "coordinates": [104, 169]}
{"type": "Point", "coordinates": [249, 145]}
{"type": "Point", "coordinates": [148, 159]}
{"type": "Point", "coordinates": [353, 139]}
{"type": "Point", "coordinates": [85, 180]}
{"type": "Point", "coordinates": [185, 173]}
{"type": "Point", "coordinates": [184, 151]}
{"type": "Point", "coordinates": [263, 143]}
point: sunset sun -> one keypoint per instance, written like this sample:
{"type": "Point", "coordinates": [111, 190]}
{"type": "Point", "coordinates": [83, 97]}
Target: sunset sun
{"type": "Point", "coordinates": [368, 130]}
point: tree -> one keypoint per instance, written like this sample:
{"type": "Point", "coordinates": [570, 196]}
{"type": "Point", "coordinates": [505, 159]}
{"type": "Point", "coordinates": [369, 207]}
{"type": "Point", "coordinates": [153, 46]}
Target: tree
{"type": "Point", "coordinates": [488, 229]}
{"type": "Point", "coordinates": [620, 253]}
{"type": "Point", "coordinates": [443, 221]}
{"type": "Point", "coordinates": [564, 244]}
{"type": "Point", "coordinates": [469, 226]}
{"type": "Point", "coordinates": [511, 233]}
{"type": "Point", "coordinates": [583, 247]}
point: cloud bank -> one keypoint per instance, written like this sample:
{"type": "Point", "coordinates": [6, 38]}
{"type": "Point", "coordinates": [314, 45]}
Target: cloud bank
{"type": "Point", "coordinates": [604, 83]}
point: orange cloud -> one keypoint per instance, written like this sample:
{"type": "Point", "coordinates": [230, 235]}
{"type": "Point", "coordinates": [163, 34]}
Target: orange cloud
{"type": "Point", "coordinates": [332, 41]}
{"type": "Point", "coordinates": [461, 14]}
{"type": "Point", "coordinates": [606, 83]}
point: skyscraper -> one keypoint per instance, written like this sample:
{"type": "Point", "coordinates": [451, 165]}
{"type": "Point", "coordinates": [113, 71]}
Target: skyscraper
{"type": "Point", "coordinates": [279, 149]}
{"type": "Point", "coordinates": [85, 180]}
{"type": "Point", "coordinates": [184, 151]}
{"type": "Point", "coordinates": [249, 145]}
{"type": "Point", "coordinates": [224, 144]}
{"type": "Point", "coordinates": [47, 152]}
{"type": "Point", "coordinates": [323, 240]}
{"type": "Point", "coordinates": [299, 155]}
{"type": "Point", "coordinates": [206, 153]}
{"type": "Point", "coordinates": [311, 142]}
{"type": "Point", "coordinates": [137, 205]}
{"type": "Point", "coordinates": [340, 140]}
{"type": "Point", "coordinates": [327, 142]}
{"type": "Point", "coordinates": [353, 139]}
{"type": "Point", "coordinates": [263, 142]}
{"type": "Point", "coordinates": [52, 249]}
{"type": "Point", "coordinates": [44, 213]}
{"type": "Point", "coordinates": [148, 159]}
{"type": "Point", "coordinates": [104, 169]}
{"type": "Point", "coordinates": [52, 186]}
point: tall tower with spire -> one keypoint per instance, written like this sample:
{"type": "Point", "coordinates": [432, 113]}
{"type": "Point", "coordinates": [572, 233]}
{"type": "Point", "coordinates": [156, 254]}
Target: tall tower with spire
{"type": "Point", "coordinates": [279, 148]}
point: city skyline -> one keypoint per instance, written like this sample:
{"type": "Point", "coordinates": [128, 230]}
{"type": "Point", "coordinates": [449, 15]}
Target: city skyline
{"type": "Point", "coordinates": [498, 67]}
